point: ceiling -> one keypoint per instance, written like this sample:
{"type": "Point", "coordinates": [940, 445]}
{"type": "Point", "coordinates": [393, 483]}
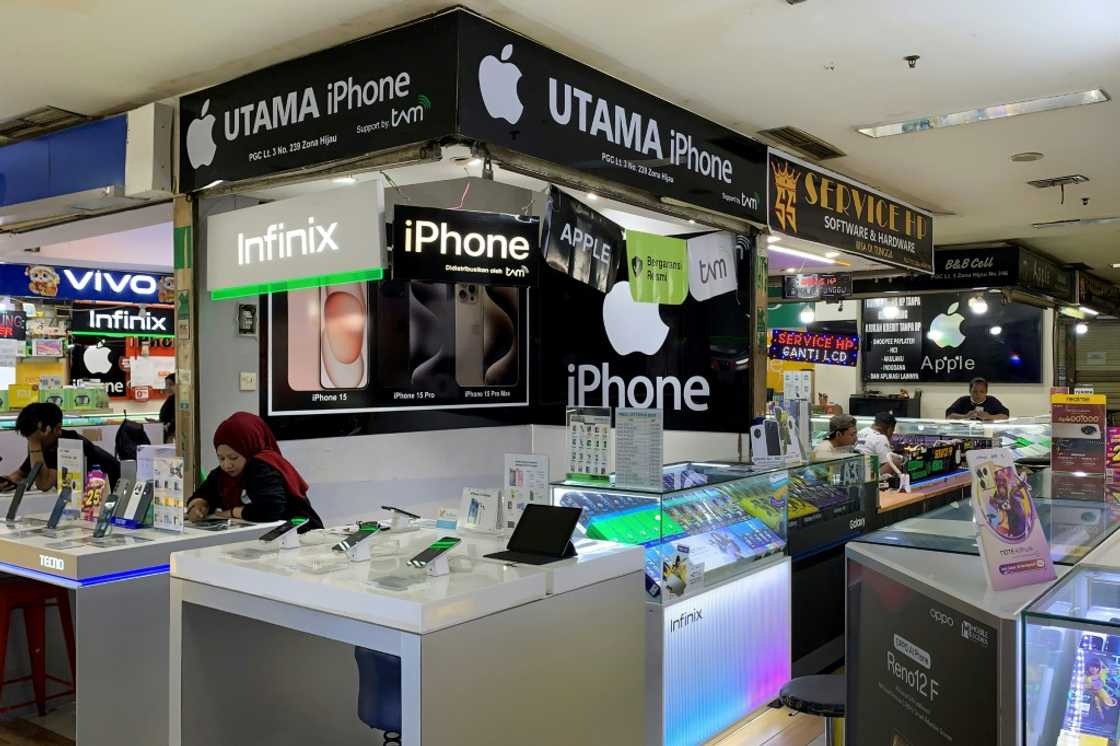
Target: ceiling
{"type": "Point", "coordinates": [824, 66]}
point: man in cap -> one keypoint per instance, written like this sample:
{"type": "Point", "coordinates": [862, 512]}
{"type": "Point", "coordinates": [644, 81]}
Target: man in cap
{"type": "Point", "coordinates": [841, 438]}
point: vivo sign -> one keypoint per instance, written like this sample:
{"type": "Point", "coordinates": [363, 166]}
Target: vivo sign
{"type": "Point", "coordinates": [337, 232]}
{"type": "Point", "coordinates": [80, 283]}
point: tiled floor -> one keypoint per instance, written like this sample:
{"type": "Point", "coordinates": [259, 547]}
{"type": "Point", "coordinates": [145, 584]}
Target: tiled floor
{"type": "Point", "coordinates": [774, 727]}
{"type": "Point", "coordinates": [25, 733]}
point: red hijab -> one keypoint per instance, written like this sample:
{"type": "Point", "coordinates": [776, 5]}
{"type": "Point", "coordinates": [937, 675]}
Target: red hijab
{"type": "Point", "coordinates": [251, 437]}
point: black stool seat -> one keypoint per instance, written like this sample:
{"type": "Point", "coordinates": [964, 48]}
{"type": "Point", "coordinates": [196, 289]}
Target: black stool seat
{"type": "Point", "coordinates": [816, 695]}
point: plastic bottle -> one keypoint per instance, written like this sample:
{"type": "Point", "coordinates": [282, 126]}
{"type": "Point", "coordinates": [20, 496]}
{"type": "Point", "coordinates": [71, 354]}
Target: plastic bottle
{"type": "Point", "coordinates": [97, 484]}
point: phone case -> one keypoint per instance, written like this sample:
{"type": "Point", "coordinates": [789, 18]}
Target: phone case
{"type": "Point", "coordinates": [304, 337]}
{"type": "Point", "coordinates": [393, 321]}
{"type": "Point", "coordinates": [344, 319]}
{"type": "Point", "coordinates": [468, 335]}
{"type": "Point", "coordinates": [502, 335]}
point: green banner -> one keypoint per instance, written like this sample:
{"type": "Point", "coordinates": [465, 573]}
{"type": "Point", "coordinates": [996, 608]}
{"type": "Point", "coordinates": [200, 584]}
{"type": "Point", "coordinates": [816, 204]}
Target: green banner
{"type": "Point", "coordinates": [658, 267]}
{"type": "Point", "coordinates": [184, 250]}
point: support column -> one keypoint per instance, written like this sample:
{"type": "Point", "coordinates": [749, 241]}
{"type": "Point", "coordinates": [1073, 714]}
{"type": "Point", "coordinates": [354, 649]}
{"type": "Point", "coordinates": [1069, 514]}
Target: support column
{"type": "Point", "coordinates": [758, 332]}
{"type": "Point", "coordinates": [186, 342]}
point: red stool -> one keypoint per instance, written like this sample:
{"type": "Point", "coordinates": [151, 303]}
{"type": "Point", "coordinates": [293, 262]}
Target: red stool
{"type": "Point", "coordinates": [34, 598]}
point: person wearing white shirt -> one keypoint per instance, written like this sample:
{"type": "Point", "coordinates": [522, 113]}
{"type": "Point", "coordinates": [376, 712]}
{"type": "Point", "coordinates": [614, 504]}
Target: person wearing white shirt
{"type": "Point", "coordinates": [841, 438]}
{"type": "Point", "coordinates": [876, 440]}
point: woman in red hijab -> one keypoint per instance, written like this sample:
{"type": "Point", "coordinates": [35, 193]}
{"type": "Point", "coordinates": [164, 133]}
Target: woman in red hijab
{"type": "Point", "coordinates": [253, 481]}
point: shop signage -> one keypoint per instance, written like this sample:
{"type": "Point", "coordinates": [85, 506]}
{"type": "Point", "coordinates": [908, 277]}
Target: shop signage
{"type": "Point", "coordinates": [928, 673]}
{"type": "Point", "coordinates": [807, 347]}
{"type": "Point", "coordinates": [711, 264]}
{"type": "Point", "coordinates": [122, 320]}
{"type": "Point", "coordinates": [581, 242]}
{"type": "Point", "coordinates": [520, 95]}
{"type": "Point", "coordinates": [1079, 433]}
{"type": "Point", "coordinates": [462, 246]}
{"type": "Point", "coordinates": [102, 361]}
{"type": "Point", "coordinates": [820, 206]}
{"type": "Point", "coordinates": [1100, 295]}
{"type": "Point", "coordinates": [940, 337]}
{"type": "Point", "coordinates": [316, 239]}
{"type": "Point", "coordinates": [658, 268]}
{"type": "Point", "coordinates": [817, 287]}
{"type": "Point", "coordinates": [387, 90]}
{"type": "Point", "coordinates": [1045, 276]}
{"type": "Point", "coordinates": [13, 325]}
{"type": "Point", "coordinates": [82, 283]}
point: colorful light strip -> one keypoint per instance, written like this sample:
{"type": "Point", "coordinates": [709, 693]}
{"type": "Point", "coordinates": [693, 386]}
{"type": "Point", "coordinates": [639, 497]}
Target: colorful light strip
{"type": "Point", "coordinates": [282, 286]}
{"type": "Point", "coordinates": [122, 334]}
{"type": "Point", "coordinates": [85, 582]}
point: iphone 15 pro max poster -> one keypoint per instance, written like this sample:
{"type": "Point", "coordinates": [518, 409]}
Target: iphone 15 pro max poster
{"type": "Point", "coordinates": [396, 345]}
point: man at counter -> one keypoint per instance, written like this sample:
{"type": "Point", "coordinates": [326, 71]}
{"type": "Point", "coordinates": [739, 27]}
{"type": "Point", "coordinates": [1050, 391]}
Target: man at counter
{"type": "Point", "coordinates": [841, 438]}
{"type": "Point", "coordinates": [41, 424]}
{"type": "Point", "coordinates": [876, 440]}
{"type": "Point", "coordinates": [977, 405]}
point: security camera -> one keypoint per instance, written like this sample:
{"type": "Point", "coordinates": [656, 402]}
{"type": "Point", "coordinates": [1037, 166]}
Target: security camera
{"type": "Point", "coordinates": [912, 60]}
{"type": "Point", "coordinates": [1085, 201]}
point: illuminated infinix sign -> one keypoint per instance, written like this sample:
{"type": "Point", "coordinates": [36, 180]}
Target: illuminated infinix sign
{"type": "Point", "coordinates": [97, 319]}
{"type": "Point", "coordinates": [323, 238]}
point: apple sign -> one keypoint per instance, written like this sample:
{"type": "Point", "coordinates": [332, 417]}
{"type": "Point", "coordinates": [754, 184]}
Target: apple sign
{"type": "Point", "coordinates": [497, 81]}
{"type": "Point", "coordinates": [200, 139]}
{"type": "Point", "coordinates": [96, 359]}
{"type": "Point", "coordinates": [945, 331]}
{"type": "Point", "coordinates": [632, 326]}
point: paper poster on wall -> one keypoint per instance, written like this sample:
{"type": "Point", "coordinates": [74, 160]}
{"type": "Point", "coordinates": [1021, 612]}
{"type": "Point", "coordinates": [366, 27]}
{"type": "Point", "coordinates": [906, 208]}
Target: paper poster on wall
{"type": "Point", "coordinates": [71, 465]}
{"type": "Point", "coordinates": [1013, 545]}
{"type": "Point", "coordinates": [1079, 428]}
{"type": "Point", "coordinates": [589, 443]}
{"type": "Point", "coordinates": [639, 443]}
{"type": "Point", "coordinates": [525, 481]}
{"type": "Point", "coordinates": [658, 268]}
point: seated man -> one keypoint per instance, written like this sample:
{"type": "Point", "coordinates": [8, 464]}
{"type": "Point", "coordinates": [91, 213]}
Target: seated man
{"type": "Point", "coordinates": [41, 424]}
{"type": "Point", "coordinates": [876, 440]}
{"type": "Point", "coordinates": [841, 438]}
{"type": "Point", "coordinates": [977, 405]}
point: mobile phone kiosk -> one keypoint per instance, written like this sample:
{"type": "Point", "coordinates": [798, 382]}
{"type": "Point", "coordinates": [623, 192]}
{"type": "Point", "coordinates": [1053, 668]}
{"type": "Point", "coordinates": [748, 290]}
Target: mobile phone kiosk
{"type": "Point", "coordinates": [357, 545]}
{"type": "Point", "coordinates": [434, 558]}
{"type": "Point", "coordinates": [402, 519]}
{"type": "Point", "coordinates": [21, 488]}
{"type": "Point", "coordinates": [543, 535]}
{"type": "Point", "coordinates": [286, 535]}
{"type": "Point", "coordinates": [59, 507]}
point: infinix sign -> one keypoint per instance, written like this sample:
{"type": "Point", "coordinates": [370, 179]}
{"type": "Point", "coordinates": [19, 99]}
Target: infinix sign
{"type": "Point", "coordinates": [139, 321]}
{"type": "Point", "coordinates": [316, 239]}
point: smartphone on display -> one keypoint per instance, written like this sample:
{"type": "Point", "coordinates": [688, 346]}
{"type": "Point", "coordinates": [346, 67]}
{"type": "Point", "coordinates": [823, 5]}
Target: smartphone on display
{"type": "Point", "coordinates": [104, 519]}
{"type": "Point", "coordinates": [430, 337]}
{"type": "Point", "coordinates": [59, 507]}
{"type": "Point", "coordinates": [437, 548]}
{"type": "Point", "coordinates": [344, 336]}
{"type": "Point", "coordinates": [393, 300]}
{"type": "Point", "coordinates": [21, 489]}
{"type": "Point", "coordinates": [351, 541]}
{"type": "Point", "coordinates": [468, 334]}
{"type": "Point", "coordinates": [304, 338]}
{"type": "Point", "coordinates": [398, 510]}
{"type": "Point", "coordinates": [502, 333]}
{"type": "Point", "coordinates": [283, 528]}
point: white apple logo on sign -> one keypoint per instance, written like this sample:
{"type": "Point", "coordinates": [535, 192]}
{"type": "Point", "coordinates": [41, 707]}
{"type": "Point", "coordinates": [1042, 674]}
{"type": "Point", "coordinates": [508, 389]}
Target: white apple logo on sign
{"type": "Point", "coordinates": [945, 331]}
{"type": "Point", "coordinates": [632, 326]}
{"type": "Point", "coordinates": [497, 81]}
{"type": "Point", "coordinates": [96, 359]}
{"type": "Point", "coordinates": [200, 139]}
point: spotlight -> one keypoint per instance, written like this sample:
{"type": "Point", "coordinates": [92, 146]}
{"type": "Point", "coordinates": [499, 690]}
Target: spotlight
{"type": "Point", "coordinates": [344, 180]}
{"type": "Point", "coordinates": [1081, 328]}
{"type": "Point", "coordinates": [978, 305]}
{"type": "Point", "coordinates": [807, 315]}
{"type": "Point", "coordinates": [592, 196]}
{"type": "Point", "coordinates": [996, 331]}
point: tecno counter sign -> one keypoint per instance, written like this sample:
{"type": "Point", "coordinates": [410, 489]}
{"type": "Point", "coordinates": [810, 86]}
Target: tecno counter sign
{"type": "Point", "coordinates": [322, 238]}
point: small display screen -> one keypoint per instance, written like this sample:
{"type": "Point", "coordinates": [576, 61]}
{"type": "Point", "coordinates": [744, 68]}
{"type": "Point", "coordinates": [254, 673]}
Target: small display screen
{"type": "Point", "coordinates": [1093, 704]}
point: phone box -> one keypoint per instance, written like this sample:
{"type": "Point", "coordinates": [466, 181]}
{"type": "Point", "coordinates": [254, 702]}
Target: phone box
{"type": "Point", "coordinates": [55, 396]}
{"type": "Point", "coordinates": [4, 406]}
{"type": "Point", "coordinates": [21, 394]}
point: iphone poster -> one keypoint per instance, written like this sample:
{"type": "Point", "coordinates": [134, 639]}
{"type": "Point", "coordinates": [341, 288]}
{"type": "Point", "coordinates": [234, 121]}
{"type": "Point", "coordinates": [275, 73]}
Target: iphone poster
{"type": "Point", "coordinates": [397, 345]}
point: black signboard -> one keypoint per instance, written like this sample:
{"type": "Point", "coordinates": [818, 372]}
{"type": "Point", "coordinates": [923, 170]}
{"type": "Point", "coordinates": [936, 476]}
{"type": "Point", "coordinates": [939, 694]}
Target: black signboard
{"type": "Point", "coordinates": [817, 287]}
{"type": "Point", "coordinates": [823, 207]}
{"type": "Point", "coordinates": [13, 325]}
{"type": "Point", "coordinates": [920, 673]}
{"type": "Point", "coordinates": [100, 360]}
{"type": "Point", "coordinates": [383, 91]}
{"type": "Point", "coordinates": [814, 347]}
{"type": "Point", "coordinates": [951, 337]}
{"type": "Point", "coordinates": [1045, 276]}
{"type": "Point", "coordinates": [581, 242]}
{"type": "Point", "coordinates": [122, 320]}
{"type": "Point", "coordinates": [463, 246]}
{"type": "Point", "coordinates": [518, 94]}
{"type": "Point", "coordinates": [1100, 295]}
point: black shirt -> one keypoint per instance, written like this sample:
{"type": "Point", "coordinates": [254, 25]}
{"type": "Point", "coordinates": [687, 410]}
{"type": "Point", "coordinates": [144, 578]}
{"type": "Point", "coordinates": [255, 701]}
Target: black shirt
{"type": "Point", "coordinates": [269, 498]}
{"type": "Point", "coordinates": [95, 456]}
{"type": "Point", "coordinates": [965, 405]}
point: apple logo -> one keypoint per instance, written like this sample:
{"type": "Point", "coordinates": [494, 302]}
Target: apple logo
{"type": "Point", "coordinates": [96, 359]}
{"type": "Point", "coordinates": [632, 326]}
{"type": "Point", "coordinates": [497, 81]}
{"type": "Point", "coordinates": [945, 331]}
{"type": "Point", "coordinates": [200, 139]}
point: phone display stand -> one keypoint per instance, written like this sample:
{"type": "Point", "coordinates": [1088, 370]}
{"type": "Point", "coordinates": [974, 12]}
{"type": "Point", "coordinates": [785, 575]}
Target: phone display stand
{"type": "Point", "coordinates": [360, 551]}
{"type": "Point", "coordinates": [289, 540]}
{"type": "Point", "coordinates": [439, 566]}
{"type": "Point", "coordinates": [401, 524]}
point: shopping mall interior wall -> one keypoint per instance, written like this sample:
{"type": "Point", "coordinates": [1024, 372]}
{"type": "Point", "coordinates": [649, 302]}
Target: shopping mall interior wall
{"type": "Point", "coordinates": [838, 381]}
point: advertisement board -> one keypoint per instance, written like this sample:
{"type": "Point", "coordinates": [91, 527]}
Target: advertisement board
{"type": "Point", "coordinates": [817, 287]}
{"type": "Point", "coordinates": [580, 241]}
{"type": "Point", "coordinates": [1079, 428]}
{"type": "Point", "coordinates": [809, 347]}
{"type": "Point", "coordinates": [100, 319]}
{"type": "Point", "coordinates": [57, 282]}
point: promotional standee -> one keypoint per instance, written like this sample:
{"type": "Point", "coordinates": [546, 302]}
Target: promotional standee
{"type": "Point", "coordinates": [1080, 428]}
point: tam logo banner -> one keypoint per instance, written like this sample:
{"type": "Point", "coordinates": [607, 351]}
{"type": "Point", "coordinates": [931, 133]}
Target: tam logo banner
{"type": "Point", "coordinates": [83, 283]}
{"type": "Point", "coordinates": [806, 347]}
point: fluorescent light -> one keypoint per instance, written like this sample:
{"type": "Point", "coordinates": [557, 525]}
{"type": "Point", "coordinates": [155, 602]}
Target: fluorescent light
{"type": "Point", "coordinates": [773, 239]}
{"type": "Point", "coordinates": [999, 111]}
{"type": "Point", "coordinates": [1091, 312]}
{"type": "Point", "coordinates": [1077, 221]}
{"type": "Point", "coordinates": [592, 196]}
{"type": "Point", "coordinates": [1082, 328]}
{"type": "Point", "coordinates": [996, 331]}
{"type": "Point", "coordinates": [344, 180]}
{"type": "Point", "coordinates": [831, 254]}
{"type": "Point", "coordinates": [801, 254]}
{"type": "Point", "coordinates": [790, 270]}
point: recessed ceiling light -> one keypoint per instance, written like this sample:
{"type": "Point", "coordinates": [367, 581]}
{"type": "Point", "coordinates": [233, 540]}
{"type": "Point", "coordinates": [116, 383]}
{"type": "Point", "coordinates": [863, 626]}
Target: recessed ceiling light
{"type": "Point", "coordinates": [801, 254]}
{"type": "Point", "coordinates": [996, 331]}
{"type": "Point", "coordinates": [999, 111]}
{"type": "Point", "coordinates": [344, 180]}
{"type": "Point", "coordinates": [831, 254]}
{"type": "Point", "coordinates": [807, 315]}
{"type": "Point", "coordinates": [773, 239]}
{"type": "Point", "coordinates": [1027, 157]}
{"type": "Point", "coordinates": [592, 196]}
{"type": "Point", "coordinates": [1089, 311]}
{"type": "Point", "coordinates": [790, 270]}
{"type": "Point", "coordinates": [1081, 328]}
{"type": "Point", "coordinates": [1116, 266]}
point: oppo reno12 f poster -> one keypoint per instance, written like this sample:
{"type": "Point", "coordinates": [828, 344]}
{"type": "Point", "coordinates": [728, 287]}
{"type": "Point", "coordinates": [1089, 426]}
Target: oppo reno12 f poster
{"type": "Point", "coordinates": [396, 344]}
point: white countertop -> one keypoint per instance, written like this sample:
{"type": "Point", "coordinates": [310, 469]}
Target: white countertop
{"type": "Point", "coordinates": [386, 591]}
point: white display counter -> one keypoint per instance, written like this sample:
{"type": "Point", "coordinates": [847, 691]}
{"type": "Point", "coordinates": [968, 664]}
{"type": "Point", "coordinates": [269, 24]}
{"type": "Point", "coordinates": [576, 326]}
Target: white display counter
{"type": "Point", "coordinates": [119, 588]}
{"type": "Point", "coordinates": [263, 643]}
